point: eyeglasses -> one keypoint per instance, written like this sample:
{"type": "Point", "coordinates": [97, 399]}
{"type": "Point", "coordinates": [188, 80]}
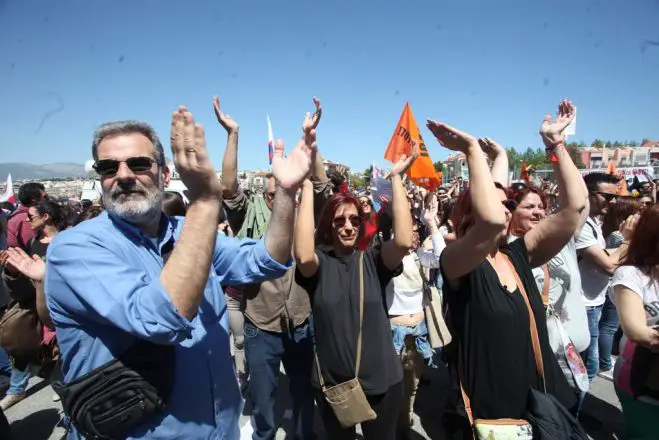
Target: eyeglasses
{"type": "Point", "coordinates": [511, 205]}
{"type": "Point", "coordinates": [607, 196]}
{"type": "Point", "coordinates": [110, 167]}
{"type": "Point", "coordinates": [31, 217]}
{"type": "Point", "coordinates": [340, 221]}
{"type": "Point", "coordinates": [364, 202]}
{"type": "Point", "coordinates": [648, 203]}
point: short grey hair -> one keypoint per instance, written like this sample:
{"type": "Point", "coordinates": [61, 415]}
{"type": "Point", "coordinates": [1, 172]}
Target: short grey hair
{"type": "Point", "coordinates": [128, 127]}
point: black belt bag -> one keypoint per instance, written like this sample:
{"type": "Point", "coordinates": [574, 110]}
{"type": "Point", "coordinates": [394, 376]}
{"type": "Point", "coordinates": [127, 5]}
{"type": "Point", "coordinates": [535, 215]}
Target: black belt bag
{"type": "Point", "coordinates": [110, 401]}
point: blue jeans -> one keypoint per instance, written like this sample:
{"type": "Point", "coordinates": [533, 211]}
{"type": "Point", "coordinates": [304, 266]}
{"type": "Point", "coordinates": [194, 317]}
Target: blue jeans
{"type": "Point", "coordinates": [18, 381]}
{"type": "Point", "coordinates": [265, 351]}
{"type": "Point", "coordinates": [5, 363]}
{"type": "Point", "coordinates": [603, 324]}
{"type": "Point", "coordinates": [591, 355]}
{"type": "Point", "coordinates": [608, 326]}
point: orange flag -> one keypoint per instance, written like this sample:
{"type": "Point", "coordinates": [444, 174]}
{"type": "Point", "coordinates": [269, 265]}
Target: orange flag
{"type": "Point", "coordinates": [611, 169]}
{"type": "Point", "coordinates": [422, 172]}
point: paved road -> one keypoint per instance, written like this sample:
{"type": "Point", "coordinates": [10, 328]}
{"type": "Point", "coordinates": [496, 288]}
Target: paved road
{"type": "Point", "coordinates": [37, 417]}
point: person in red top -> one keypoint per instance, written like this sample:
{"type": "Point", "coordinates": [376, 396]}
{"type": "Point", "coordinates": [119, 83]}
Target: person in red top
{"type": "Point", "coordinates": [19, 230]}
{"type": "Point", "coordinates": [370, 223]}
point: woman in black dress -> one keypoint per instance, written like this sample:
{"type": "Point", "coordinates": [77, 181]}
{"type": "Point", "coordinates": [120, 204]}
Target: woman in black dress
{"type": "Point", "coordinates": [486, 306]}
{"type": "Point", "coordinates": [328, 267]}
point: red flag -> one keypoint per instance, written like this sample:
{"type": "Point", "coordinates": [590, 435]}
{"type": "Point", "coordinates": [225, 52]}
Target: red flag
{"type": "Point", "coordinates": [524, 174]}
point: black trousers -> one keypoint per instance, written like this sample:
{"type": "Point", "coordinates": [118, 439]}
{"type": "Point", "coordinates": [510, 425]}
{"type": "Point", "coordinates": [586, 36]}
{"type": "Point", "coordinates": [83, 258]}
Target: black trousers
{"type": "Point", "coordinates": [386, 406]}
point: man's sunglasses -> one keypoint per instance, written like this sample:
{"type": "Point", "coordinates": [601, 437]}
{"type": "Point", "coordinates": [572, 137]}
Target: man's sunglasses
{"type": "Point", "coordinates": [110, 167]}
{"type": "Point", "coordinates": [340, 221]}
{"type": "Point", "coordinates": [510, 204]}
{"type": "Point", "coordinates": [607, 196]}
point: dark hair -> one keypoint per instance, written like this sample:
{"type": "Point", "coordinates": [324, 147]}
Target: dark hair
{"type": "Point", "coordinates": [618, 213]}
{"type": "Point", "coordinates": [520, 192]}
{"type": "Point", "coordinates": [643, 251]}
{"type": "Point", "coordinates": [56, 215]}
{"type": "Point", "coordinates": [324, 230]}
{"type": "Point", "coordinates": [173, 204]}
{"type": "Point", "coordinates": [89, 213]}
{"type": "Point", "coordinates": [111, 129]}
{"type": "Point", "coordinates": [594, 180]}
{"type": "Point", "coordinates": [29, 194]}
{"type": "Point", "coordinates": [447, 212]}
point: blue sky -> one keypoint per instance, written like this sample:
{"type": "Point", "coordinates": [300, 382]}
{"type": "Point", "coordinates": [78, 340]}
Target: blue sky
{"type": "Point", "coordinates": [493, 68]}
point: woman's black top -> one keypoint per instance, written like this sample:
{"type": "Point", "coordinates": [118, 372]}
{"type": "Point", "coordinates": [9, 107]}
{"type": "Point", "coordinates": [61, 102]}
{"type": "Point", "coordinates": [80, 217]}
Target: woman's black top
{"type": "Point", "coordinates": [334, 294]}
{"type": "Point", "coordinates": [492, 327]}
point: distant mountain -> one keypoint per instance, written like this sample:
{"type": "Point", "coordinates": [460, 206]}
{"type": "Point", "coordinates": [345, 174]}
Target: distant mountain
{"type": "Point", "coordinates": [22, 171]}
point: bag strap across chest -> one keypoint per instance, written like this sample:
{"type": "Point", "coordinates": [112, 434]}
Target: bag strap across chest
{"type": "Point", "coordinates": [533, 330]}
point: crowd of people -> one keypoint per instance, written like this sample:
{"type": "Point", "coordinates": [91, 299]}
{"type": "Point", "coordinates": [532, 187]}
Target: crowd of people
{"type": "Point", "coordinates": [513, 296]}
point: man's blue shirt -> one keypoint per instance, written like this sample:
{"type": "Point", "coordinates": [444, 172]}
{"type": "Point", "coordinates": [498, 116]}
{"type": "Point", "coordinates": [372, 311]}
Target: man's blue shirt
{"type": "Point", "coordinates": [103, 291]}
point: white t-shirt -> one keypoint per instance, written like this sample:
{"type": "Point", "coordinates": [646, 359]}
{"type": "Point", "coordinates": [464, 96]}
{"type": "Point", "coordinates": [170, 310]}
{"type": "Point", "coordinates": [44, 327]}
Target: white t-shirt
{"type": "Point", "coordinates": [407, 297]}
{"type": "Point", "coordinates": [594, 281]}
{"type": "Point", "coordinates": [565, 297]}
{"type": "Point", "coordinates": [632, 278]}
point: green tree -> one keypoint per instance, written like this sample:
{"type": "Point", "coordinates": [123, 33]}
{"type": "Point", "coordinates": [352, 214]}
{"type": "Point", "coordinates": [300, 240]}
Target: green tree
{"type": "Point", "coordinates": [439, 166]}
{"type": "Point", "coordinates": [358, 180]}
{"type": "Point", "coordinates": [368, 173]}
{"type": "Point", "coordinates": [575, 154]}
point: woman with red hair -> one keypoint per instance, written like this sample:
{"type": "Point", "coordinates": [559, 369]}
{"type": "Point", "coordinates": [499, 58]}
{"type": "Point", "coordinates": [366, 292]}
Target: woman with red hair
{"type": "Point", "coordinates": [561, 280]}
{"type": "Point", "coordinates": [636, 296]}
{"type": "Point", "coordinates": [489, 286]}
{"type": "Point", "coordinates": [347, 291]}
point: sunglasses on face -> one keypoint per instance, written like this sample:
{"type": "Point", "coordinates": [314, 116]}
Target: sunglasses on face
{"type": "Point", "coordinates": [511, 205]}
{"type": "Point", "coordinates": [31, 217]}
{"type": "Point", "coordinates": [110, 167]}
{"type": "Point", "coordinates": [340, 221]}
{"type": "Point", "coordinates": [607, 196]}
{"type": "Point", "coordinates": [648, 204]}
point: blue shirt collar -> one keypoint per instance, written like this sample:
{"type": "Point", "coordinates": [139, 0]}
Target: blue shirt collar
{"type": "Point", "coordinates": [134, 233]}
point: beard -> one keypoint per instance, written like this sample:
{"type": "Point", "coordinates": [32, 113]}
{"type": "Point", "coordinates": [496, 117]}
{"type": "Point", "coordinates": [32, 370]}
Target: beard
{"type": "Point", "coordinates": [134, 202]}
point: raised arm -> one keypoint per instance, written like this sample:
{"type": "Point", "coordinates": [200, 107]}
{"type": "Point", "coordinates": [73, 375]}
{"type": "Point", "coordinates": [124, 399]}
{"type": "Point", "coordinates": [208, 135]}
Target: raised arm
{"type": "Point", "coordinates": [394, 250]}
{"type": "Point", "coordinates": [548, 238]}
{"type": "Point", "coordinates": [497, 154]}
{"type": "Point", "coordinates": [230, 161]}
{"type": "Point", "coordinates": [311, 123]}
{"type": "Point", "coordinates": [489, 216]}
{"type": "Point", "coordinates": [289, 173]}
{"type": "Point", "coordinates": [430, 258]}
{"type": "Point", "coordinates": [304, 243]}
{"type": "Point", "coordinates": [185, 274]}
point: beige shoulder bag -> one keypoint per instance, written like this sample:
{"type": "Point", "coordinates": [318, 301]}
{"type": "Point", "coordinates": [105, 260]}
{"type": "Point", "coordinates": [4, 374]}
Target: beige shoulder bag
{"type": "Point", "coordinates": [347, 399]}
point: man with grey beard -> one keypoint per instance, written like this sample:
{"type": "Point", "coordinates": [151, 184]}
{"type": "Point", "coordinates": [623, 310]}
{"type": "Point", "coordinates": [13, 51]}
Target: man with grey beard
{"type": "Point", "coordinates": [133, 274]}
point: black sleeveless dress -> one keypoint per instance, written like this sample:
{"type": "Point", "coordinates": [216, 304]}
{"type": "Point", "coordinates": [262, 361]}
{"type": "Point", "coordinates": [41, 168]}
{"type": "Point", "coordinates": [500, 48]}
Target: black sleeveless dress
{"type": "Point", "coordinates": [492, 326]}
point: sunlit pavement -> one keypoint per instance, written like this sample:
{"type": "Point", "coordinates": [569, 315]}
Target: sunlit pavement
{"type": "Point", "coordinates": [36, 417]}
